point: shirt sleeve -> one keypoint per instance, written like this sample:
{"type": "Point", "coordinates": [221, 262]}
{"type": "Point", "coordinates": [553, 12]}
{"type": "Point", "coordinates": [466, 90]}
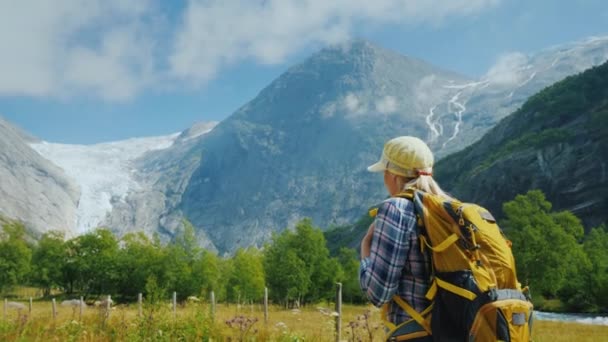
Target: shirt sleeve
{"type": "Point", "coordinates": [379, 273]}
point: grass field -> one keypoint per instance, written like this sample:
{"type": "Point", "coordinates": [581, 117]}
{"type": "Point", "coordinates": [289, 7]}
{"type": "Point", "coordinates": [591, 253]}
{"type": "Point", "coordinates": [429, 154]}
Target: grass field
{"type": "Point", "coordinates": [194, 322]}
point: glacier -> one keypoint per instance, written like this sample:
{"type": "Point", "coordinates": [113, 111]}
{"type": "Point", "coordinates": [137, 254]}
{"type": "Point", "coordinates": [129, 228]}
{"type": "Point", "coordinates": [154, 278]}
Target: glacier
{"type": "Point", "coordinates": [105, 172]}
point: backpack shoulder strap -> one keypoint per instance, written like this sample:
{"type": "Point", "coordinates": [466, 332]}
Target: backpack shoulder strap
{"type": "Point", "coordinates": [408, 193]}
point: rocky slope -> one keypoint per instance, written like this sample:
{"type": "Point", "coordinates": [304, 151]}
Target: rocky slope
{"type": "Point", "coordinates": [557, 142]}
{"type": "Point", "coordinates": [162, 175]}
{"type": "Point", "coordinates": [300, 148]}
{"type": "Point", "coordinates": [478, 106]}
{"type": "Point", "coordinates": [32, 189]}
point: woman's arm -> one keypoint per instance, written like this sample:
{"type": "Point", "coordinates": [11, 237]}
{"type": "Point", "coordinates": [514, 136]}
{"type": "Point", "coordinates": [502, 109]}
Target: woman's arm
{"type": "Point", "coordinates": [381, 270]}
{"type": "Point", "coordinates": [367, 241]}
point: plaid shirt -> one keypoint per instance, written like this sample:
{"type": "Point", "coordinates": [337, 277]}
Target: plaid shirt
{"type": "Point", "coordinates": [396, 264]}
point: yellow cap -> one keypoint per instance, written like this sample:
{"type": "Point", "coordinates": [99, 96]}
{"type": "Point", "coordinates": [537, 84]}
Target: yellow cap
{"type": "Point", "coordinates": [405, 156]}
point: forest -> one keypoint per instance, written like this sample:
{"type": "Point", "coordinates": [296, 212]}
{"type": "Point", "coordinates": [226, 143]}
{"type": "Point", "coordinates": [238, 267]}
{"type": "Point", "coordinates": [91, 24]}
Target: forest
{"type": "Point", "coordinates": [555, 258]}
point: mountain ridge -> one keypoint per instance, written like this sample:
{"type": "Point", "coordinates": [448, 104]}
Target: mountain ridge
{"type": "Point", "coordinates": [556, 142]}
{"type": "Point", "coordinates": [301, 146]}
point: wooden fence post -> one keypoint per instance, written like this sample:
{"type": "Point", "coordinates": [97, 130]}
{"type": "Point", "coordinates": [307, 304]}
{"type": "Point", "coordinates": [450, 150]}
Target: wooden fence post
{"type": "Point", "coordinates": [5, 308]}
{"type": "Point", "coordinates": [339, 311]}
{"type": "Point", "coordinates": [174, 304]}
{"type": "Point", "coordinates": [139, 302]}
{"type": "Point", "coordinates": [212, 305]}
{"type": "Point", "coordinates": [54, 309]}
{"type": "Point", "coordinates": [265, 305]}
{"type": "Point", "coordinates": [31, 306]}
{"type": "Point", "coordinates": [108, 306]}
{"type": "Point", "coordinates": [81, 306]}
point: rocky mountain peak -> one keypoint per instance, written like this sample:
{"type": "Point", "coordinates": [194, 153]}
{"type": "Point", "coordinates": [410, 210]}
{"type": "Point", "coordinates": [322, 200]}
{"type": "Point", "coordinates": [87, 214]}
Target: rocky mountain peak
{"type": "Point", "coordinates": [300, 148]}
{"type": "Point", "coordinates": [356, 80]}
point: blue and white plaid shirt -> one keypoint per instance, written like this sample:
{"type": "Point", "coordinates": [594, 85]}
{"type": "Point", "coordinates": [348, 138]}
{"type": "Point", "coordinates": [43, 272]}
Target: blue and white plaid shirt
{"type": "Point", "coordinates": [395, 264]}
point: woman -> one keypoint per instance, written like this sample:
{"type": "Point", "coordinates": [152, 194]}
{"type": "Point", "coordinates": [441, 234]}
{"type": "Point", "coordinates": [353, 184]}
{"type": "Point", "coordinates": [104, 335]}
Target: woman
{"type": "Point", "coordinates": [392, 261]}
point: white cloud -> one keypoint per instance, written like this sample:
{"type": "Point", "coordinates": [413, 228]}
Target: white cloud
{"type": "Point", "coordinates": [114, 49]}
{"type": "Point", "coordinates": [510, 69]}
{"type": "Point", "coordinates": [329, 110]}
{"type": "Point", "coordinates": [353, 105]}
{"type": "Point", "coordinates": [428, 91]}
{"type": "Point", "coordinates": [386, 105]}
{"type": "Point", "coordinates": [69, 47]}
{"type": "Point", "coordinates": [218, 33]}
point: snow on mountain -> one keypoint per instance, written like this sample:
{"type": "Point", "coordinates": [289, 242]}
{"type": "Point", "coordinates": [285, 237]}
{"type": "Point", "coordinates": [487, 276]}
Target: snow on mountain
{"type": "Point", "coordinates": [197, 130]}
{"type": "Point", "coordinates": [462, 119]}
{"type": "Point", "coordinates": [353, 98]}
{"type": "Point", "coordinates": [104, 172]}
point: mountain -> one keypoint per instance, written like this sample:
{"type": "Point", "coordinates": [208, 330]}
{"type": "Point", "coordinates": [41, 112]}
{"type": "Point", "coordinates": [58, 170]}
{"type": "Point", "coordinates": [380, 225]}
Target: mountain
{"type": "Point", "coordinates": [104, 173]}
{"type": "Point", "coordinates": [32, 189]}
{"type": "Point", "coordinates": [478, 106]}
{"type": "Point", "coordinates": [162, 175]}
{"type": "Point", "coordinates": [114, 192]}
{"type": "Point", "coordinates": [300, 148]}
{"type": "Point", "coordinates": [557, 142]}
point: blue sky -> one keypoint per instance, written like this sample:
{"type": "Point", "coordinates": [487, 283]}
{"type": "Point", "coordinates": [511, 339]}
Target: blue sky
{"type": "Point", "coordinates": [101, 70]}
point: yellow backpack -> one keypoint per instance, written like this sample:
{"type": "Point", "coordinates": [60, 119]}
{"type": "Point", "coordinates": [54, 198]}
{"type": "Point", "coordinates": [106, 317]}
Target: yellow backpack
{"type": "Point", "coordinates": [474, 290]}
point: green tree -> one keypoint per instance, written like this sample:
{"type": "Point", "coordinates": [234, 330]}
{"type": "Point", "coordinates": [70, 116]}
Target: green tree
{"type": "Point", "coordinates": [15, 256]}
{"type": "Point", "coordinates": [247, 279]}
{"type": "Point", "coordinates": [286, 273]}
{"type": "Point", "coordinates": [298, 265]}
{"type": "Point", "coordinates": [91, 263]}
{"type": "Point", "coordinates": [574, 292]}
{"type": "Point", "coordinates": [546, 252]}
{"type": "Point", "coordinates": [180, 257]}
{"type": "Point", "coordinates": [226, 266]}
{"type": "Point", "coordinates": [596, 248]}
{"type": "Point", "coordinates": [186, 240]}
{"type": "Point", "coordinates": [310, 245]}
{"type": "Point", "coordinates": [47, 261]}
{"type": "Point", "coordinates": [207, 273]}
{"type": "Point", "coordinates": [351, 290]}
{"type": "Point", "coordinates": [178, 272]}
{"type": "Point", "coordinates": [154, 293]}
{"type": "Point", "coordinates": [139, 259]}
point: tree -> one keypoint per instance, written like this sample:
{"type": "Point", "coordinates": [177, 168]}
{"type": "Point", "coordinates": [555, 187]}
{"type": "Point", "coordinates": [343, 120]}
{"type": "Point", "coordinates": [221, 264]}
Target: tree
{"type": "Point", "coordinates": [180, 257]}
{"type": "Point", "coordinates": [186, 240]}
{"type": "Point", "coordinates": [15, 256]}
{"type": "Point", "coordinates": [178, 271]}
{"type": "Point", "coordinates": [247, 279]}
{"type": "Point", "coordinates": [574, 292]}
{"type": "Point", "coordinates": [301, 255]}
{"type": "Point", "coordinates": [47, 261]}
{"type": "Point", "coordinates": [139, 259]}
{"type": "Point", "coordinates": [91, 263]}
{"type": "Point", "coordinates": [596, 248]}
{"type": "Point", "coordinates": [310, 246]}
{"type": "Point", "coordinates": [226, 266]}
{"type": "Point", "coordinates": [351, 290]}
{"type": "Point", "coordinates": [546, 252]}
{"type": "Point", "coordinates": [207, 273]}
{"type": "Point", "coordinates": [286, 273]}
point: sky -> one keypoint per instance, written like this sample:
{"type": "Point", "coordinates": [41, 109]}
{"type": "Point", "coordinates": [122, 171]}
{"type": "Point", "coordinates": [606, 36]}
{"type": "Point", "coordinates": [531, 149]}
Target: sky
{"type": "Point", "coordinates": [84, 72]}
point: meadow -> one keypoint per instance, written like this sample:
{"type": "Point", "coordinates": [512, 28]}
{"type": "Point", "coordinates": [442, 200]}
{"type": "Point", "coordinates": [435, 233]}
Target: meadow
{"type": "Point", "coordinates": [231, 322]}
